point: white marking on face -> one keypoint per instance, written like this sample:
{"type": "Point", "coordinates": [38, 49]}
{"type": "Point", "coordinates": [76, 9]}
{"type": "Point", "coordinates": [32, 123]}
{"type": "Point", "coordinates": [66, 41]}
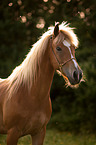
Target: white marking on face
{"type": "Point", "coordinates": [75, 63]}
{"type": "Point", "coordinates": [67, 44]}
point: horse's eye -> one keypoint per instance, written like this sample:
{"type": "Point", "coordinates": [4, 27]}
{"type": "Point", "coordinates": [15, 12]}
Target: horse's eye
{"type": "Point", "coordinates": [59, 49]}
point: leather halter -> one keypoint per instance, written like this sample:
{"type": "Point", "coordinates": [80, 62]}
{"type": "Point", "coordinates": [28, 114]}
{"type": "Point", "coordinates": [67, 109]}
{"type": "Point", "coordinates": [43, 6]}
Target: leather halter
{"type": "Point", "coordinates": [60, 64]}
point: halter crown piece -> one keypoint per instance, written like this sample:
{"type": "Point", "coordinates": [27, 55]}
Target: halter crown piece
{"type": "Point", "coordinates": [60, 64]}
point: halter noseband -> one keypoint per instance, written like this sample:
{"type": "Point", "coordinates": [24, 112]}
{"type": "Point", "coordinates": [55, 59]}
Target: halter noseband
{"type": "Point", "coordinates": [60, 64]}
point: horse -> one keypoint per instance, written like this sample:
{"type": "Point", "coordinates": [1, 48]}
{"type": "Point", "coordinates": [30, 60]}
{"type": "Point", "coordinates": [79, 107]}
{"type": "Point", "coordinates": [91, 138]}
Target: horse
{"type": "Point", "coordinates": [25, 104]}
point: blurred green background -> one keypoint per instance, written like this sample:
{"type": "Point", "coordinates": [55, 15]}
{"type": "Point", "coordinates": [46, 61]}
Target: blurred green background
{"type": "Point", "coordinates": [22, 22]}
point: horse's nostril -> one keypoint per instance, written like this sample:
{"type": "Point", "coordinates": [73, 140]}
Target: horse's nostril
{"type": "Point", "coordinates": [75, 75]}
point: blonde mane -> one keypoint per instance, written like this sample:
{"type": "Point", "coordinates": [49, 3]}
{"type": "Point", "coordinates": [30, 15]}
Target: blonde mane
{"type": "Point", "coordinates": [26, 73]}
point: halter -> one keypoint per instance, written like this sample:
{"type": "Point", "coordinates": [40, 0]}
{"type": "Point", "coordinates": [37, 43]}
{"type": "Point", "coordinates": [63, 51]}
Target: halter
{"type": "Point", "coordinates": [60, 64]}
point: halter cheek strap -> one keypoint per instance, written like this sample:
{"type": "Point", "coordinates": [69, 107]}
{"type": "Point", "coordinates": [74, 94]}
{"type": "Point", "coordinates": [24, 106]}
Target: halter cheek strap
{"type": "Point", "coordinates": [60, 64]}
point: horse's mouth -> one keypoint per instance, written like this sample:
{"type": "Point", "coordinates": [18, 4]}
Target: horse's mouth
{"type": "Point", "coordinates": [73, 81]}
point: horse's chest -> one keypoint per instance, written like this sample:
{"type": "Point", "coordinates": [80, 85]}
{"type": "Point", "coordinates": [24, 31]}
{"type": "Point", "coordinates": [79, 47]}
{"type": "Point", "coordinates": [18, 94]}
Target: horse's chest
{"type": "Point", "coordinates": [36, 122]}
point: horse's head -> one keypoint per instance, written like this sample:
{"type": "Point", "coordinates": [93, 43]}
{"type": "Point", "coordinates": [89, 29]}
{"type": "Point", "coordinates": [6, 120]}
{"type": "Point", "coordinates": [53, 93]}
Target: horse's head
{"type": "Point", "coordinates": [63, 55]}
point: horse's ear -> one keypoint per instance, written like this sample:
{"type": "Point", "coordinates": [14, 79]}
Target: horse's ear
{"type": "Point", "coordinates": [56, 29]}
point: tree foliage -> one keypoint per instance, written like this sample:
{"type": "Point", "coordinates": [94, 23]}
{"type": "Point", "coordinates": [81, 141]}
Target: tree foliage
{"type": "Point", "coordinates": [21, 24]}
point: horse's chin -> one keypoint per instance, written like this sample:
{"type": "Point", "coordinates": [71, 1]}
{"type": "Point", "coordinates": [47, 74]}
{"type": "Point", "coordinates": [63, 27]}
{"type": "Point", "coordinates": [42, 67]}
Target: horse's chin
{"type": "Point", "coordinates": [70, 83]}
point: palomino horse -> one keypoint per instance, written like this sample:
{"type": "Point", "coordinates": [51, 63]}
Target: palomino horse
{"type": "Point", "coordinates": [25, 105]}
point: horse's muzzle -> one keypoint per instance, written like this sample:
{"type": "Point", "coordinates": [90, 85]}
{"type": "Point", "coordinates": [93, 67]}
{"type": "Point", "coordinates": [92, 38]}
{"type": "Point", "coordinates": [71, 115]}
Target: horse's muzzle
{"type": "Point", "coordinates": [76, 77]}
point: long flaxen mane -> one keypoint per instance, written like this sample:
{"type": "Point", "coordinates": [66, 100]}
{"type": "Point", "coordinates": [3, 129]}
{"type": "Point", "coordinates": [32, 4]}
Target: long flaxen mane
{"type": "Point", "coordinates": [26, 72]}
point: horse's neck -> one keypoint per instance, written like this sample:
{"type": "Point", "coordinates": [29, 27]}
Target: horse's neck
{"type": "Point", "coordinates": [45, 76]}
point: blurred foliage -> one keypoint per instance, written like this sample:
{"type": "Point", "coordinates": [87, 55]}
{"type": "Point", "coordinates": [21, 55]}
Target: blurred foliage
{"type": "Point", "coordinates": [21, 24]}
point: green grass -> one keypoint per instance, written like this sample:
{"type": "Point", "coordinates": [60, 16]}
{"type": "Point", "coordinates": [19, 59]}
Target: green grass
{"type": "Point", "coordinates": [54, 137]}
